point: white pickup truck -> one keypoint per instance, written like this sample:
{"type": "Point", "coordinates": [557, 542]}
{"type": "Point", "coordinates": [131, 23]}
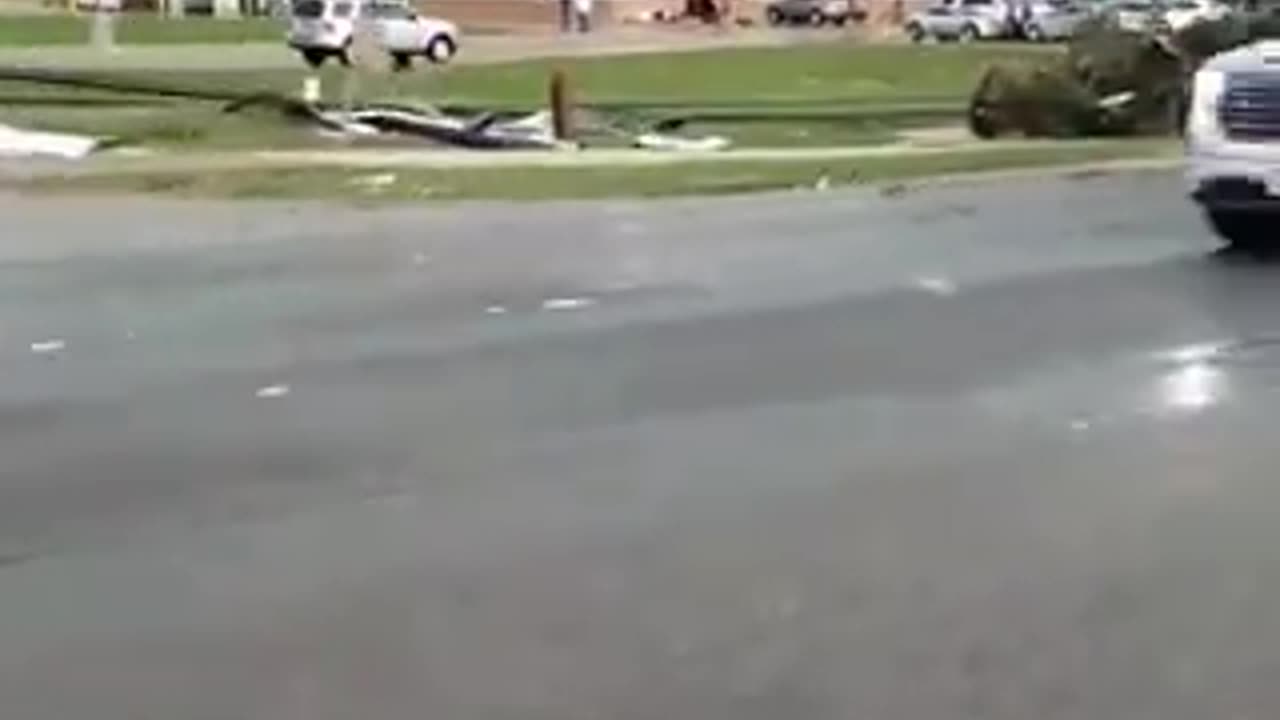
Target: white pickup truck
{"type": "Point", "coordinates": [1233, 144]}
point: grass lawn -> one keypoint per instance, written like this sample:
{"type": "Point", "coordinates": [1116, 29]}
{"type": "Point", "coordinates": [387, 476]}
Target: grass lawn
{"type": "Point", "coordinates": [831, 94]}
{"type": "Point", "coordinates": [136, 29]}
{"type": "Point", "coordinates": [694, 177]}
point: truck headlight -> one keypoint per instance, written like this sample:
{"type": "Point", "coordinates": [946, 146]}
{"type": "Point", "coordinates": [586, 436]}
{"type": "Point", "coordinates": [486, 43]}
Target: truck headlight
{"type": "Point", "coordinates": [1206, 97]}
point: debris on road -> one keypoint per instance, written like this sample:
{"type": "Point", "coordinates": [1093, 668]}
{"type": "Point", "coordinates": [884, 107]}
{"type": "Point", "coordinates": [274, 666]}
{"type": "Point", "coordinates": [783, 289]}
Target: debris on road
{"type": "Point", "coordinates": [272, 391]}
{"type": "Point", "coordinates": [45, 347]}
{"type": "Point", "coordinates": [495, 310]}
{"type": "Point", "coordinates": [935, 284]}
{"type": "Point", "coordinates": [569, 303]}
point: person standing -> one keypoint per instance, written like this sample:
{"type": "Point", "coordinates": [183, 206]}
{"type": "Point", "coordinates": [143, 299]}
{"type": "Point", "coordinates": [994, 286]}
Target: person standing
{"type": "Point", "coordinates": [582, 10]}
{"type": "Point", "coordinates": [566, 15]}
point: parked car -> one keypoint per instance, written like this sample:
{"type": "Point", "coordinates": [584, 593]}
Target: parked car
{"type": "Point", "coordinates": [1052, 20]}
{"type": "Point", "coordinates": [321, 29]}
{"type": "Point", "coordinates": [1135, 16]}
{"type": "Point", "coordinates": [1181, 14]}
{"type": "Point", "coordinates": [962, 20]}
{"type": "Point", "coordinates": [813, 12]}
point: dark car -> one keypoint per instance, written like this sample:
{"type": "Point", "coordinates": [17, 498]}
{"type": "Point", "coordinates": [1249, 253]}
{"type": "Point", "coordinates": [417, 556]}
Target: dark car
{"type": "Point", "coordinates": [813, 12]}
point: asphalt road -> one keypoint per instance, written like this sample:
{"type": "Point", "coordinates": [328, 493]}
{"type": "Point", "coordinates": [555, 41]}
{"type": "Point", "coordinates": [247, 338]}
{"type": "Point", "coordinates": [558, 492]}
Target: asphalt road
{"type": "Point", "coordinates": [985, 451]}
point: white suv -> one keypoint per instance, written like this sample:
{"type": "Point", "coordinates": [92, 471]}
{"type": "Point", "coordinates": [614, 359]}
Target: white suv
{"type": "Point", "coordinates": [320, 29]}
{"type": "Point", "coordinates": [1233, 144]}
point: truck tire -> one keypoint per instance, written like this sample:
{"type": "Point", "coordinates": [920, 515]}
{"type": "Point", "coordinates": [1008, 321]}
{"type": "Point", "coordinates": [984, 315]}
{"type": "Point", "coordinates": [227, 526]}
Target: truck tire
{"type": "Point", "coordinates": [401, 61]}
{"type": "Point", "coordinates": [1241, 229]}
{"type": "Point", "coordinates": [916, 33]}
{"type": "Point", "coordinates": [969, 33]}
{"type": "Point", "coordinates": [441, 49]}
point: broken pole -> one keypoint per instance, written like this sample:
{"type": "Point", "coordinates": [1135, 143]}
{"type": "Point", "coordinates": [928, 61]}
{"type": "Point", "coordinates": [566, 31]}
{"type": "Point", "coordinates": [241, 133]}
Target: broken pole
{"type": "Point", "coordinates": [561, 105]}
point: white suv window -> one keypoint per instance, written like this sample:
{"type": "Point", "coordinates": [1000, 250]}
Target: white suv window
{"type": "Point", "coordinates": [308, 8]}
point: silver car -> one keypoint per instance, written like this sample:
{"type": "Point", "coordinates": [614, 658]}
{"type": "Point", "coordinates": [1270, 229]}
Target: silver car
{"type": "Point", "coordinates": [1052, 20]}
{"type": "Point", "coordinates": [962, 20]}
{"type": "Point", "coordinates": [1135, 16]}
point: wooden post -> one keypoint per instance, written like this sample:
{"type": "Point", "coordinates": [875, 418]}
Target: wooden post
{"type": "Point", "coordinates": [561, 105]}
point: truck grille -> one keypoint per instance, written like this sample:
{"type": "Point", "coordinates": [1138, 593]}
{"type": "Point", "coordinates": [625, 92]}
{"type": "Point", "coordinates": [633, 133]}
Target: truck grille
{"type": "Point", "coordinates": [1251, 107]}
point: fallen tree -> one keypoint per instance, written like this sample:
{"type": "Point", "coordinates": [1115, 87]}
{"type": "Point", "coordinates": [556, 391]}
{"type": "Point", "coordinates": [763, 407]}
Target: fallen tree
{"type": "Point", "coordinates": [1109, 82]}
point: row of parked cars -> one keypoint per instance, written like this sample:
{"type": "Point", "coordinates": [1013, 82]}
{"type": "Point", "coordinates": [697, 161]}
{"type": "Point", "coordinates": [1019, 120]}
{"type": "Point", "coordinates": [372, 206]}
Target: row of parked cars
{"type": "Point", "coordinates": [1050, 20]}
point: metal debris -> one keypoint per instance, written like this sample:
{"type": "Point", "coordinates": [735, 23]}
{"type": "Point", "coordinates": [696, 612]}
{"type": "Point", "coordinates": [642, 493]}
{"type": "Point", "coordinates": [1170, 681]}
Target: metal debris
{"type": "Point", "coordinates": [17, 142]}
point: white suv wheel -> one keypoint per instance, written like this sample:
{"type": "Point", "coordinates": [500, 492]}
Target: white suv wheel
{"type": "Point", "coordinates": [441, 49]}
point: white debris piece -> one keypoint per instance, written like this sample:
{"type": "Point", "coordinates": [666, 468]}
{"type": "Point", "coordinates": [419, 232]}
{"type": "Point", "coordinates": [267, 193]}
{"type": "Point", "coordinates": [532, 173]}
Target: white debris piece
{"type": "Point", "coordinates": [935, 284]}
{"type": "Point", "coordinates": [495, 310]}
{"type": "Point", "coordinates": [421, 259]}
{"type": "Point", "coordinates": [1080, 425]}
{"type": "Point", "coordinates": [574, 303]}
{"type": "Point", "coordinates": [1194, 353]}
{"type": "Point", "coordinates": [16, 142]}
{"type": "Point", "coordinates": [45, 347]}
{"type": "Point", "coordinates": [823, 183]}
{"type": "Point", "coordinates": [657, 141]}
{"type": "Point", "coordinates": [272, 391]}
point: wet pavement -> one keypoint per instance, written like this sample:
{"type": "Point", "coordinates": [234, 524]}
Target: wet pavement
{"type": "Point", "coordinates": [995, 450]}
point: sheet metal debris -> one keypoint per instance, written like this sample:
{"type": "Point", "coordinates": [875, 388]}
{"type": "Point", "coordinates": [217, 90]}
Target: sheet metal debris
{"type": "Point", "coordinates": [17, 142]}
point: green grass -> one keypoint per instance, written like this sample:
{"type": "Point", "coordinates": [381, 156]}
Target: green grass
{"type": "Point", "coordinates": [834, 94]}
{"type": "Point", "coordinates": [695, 177]}
{"type": "Point", "coordinates": [824, 74]}
{"type": "Point", "coordinates": [136, 29]}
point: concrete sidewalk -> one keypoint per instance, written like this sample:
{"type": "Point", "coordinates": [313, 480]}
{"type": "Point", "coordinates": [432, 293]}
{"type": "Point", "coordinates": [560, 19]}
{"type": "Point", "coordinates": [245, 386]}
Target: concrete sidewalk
{"type": "Point", "coordinates": [444, 159]}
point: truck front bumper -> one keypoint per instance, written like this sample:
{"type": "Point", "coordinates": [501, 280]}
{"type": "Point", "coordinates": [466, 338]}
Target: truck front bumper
{"type": "Point", "coordinates": [1246, 179]}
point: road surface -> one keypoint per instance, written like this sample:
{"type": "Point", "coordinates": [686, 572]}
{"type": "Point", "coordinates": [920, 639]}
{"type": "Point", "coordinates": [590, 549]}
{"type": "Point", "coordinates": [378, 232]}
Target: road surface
{"type": "Point", "coordinates": [992, 451]}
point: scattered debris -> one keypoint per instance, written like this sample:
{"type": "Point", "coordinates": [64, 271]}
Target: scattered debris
{"type": "Point", "coordinates": [16, 142]}
{"type": "Point", "coordinates": [1080, 425]}
{"type": "Point", "coordinates": [823, 182]}
{"type": "Point", "coordinates": [661, 141]}
{"type": "Point", "coordinates": [575, 303]}
{"type": "Point", "coordinates": [894, 190]}
{"type": "Point", "coordinates": [495, 310]}
{"type": "Point", "coordinates": [272, 391]}
{"type": "Point", "coordinates": [420, 259]}
{"type": "Point", "coordinates": [45, 347]}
